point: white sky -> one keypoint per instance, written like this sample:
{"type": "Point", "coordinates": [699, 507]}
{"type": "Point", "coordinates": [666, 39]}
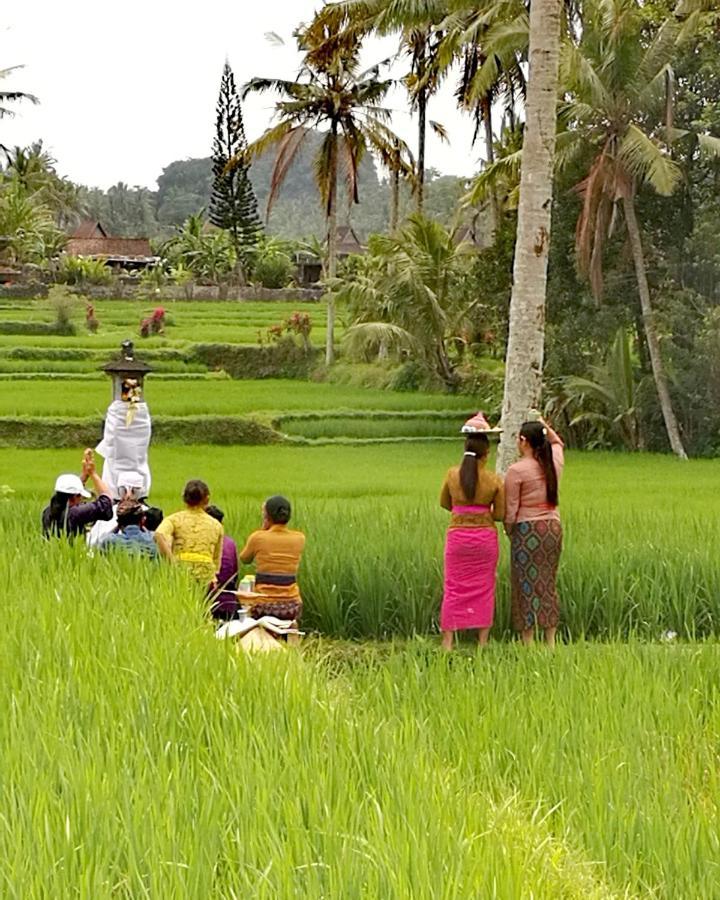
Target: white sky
{"type": "Point", "coordinates": [126, 88]}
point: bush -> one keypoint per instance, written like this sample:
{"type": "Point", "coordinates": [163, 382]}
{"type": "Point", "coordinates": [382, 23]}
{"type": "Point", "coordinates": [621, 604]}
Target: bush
{"type": "Point", "coordinates": [81, 270]}
{"type": "Point", "coordinates": [284, 359]}
{"type": "Point", "coordinates": [63, 324]}
{"type": "Point", "coordinates": [412, 376]}
{"type": "Point", "coordinates": [274, 270]}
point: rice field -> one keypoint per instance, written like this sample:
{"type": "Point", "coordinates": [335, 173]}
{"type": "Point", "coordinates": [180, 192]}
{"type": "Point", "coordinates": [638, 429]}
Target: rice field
{"type": "Point", "coordinates": [640, 549]}
{"type": "Point", "coordinates": [190, 322]}
{"type": "Point", "coordinates": [219, 396]}
{"type": "Point", "coordinates": [141, 758]}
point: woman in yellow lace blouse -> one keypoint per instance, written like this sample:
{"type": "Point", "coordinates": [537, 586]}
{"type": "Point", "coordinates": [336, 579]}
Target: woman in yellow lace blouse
{"type": "Point", "coordinates": [191, 536]}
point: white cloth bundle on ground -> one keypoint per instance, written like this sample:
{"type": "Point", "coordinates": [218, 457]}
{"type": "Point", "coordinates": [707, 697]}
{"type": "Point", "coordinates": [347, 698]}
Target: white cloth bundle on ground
{"type": "Point", "coordinates": [125, 447]}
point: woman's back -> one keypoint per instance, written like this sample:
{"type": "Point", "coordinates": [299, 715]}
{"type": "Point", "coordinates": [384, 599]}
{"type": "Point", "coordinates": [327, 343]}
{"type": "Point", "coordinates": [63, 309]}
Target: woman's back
{"type": "Point", "coordinates": [526, 489]}
{"type": "Point", "coordinates": [489, 492]}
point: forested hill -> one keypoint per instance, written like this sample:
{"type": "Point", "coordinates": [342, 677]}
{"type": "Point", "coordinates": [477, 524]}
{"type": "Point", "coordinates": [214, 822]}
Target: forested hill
{"type": "Point", "coordinates": [184, 189]}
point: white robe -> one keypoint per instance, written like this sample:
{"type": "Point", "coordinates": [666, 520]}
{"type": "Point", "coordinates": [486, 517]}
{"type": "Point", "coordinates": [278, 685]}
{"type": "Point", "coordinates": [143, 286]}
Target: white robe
{"type": "Point", "coordinates": [125, 447]}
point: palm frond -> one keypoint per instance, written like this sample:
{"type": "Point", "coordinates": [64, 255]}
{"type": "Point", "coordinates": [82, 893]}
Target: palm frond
{"type": "Point", "coordinates": [288, 148]}
{"type": "Point", "coordinates": [506, 169]}
{"type": "Point", "coordinates": [646, 161]}
{"type": "Point", "coordinates": [261, 85]}
{"type": "Point", "coordinates": [580, 76]}
{"type": "Point", "coordinates": [439, 130]}
{"type": "Point", "coordinates": [369, 337]}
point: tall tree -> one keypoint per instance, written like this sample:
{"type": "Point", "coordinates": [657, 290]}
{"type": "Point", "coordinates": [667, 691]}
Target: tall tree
{"type": "Point", "coordinates": [233, 205]}
{"type": "Point", "coordinates": [526, 339]}
{"type": "Point", "coordinates": [418, 24]}
{"type": "Point", "coordinates": [12, 96]}
{"type": "Point", "coordinates": [489, 42]}
{"type": "Point", "coordinates": [619, 79]}
{"type": "Point", "coordinates": [331, 91]}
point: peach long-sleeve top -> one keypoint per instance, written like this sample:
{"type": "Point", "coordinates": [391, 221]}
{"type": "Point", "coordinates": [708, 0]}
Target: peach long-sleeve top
{"type": "Point", "coordinates": [490, 492]}
{"type": "Point", "coordinates": [525, 491]}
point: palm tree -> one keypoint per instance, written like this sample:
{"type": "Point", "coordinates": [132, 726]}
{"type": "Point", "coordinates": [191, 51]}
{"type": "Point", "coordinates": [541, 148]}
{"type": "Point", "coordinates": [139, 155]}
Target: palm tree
{"type": "Point", "coordinates": [526, 338]}
{"type": "Point", "coordinates": [620, 106]}
{"type": "Point", "coordinates": [489, 41]}
{"type": "Point", "coordinates": [12, 96]}
{"type": "Point", "coordinates": [331, 91]}
{"type": "Point", "coordinates": [418, 22]}
{"type": "Point", "coordinates": [401, 166]}
{"type": "Point", "coordinates": [34, 168]}
{"type": "Point", "coordinates": [408, 294]}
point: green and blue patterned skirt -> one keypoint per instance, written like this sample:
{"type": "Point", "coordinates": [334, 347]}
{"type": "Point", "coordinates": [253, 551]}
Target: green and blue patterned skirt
{"type": "Point", "coordinates": [535, 549]}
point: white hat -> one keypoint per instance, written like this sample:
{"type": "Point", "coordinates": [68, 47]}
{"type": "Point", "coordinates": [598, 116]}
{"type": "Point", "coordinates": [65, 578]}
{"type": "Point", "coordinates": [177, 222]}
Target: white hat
{"type": "Point", "coordinates": [70, 484]}
{"type": "Point", "coordinates": [130, 480]}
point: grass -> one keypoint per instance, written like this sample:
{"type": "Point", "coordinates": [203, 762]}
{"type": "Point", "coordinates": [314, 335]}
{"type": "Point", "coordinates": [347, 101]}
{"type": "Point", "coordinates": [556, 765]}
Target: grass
{"type": "Point", "coordinates": [141, 758]}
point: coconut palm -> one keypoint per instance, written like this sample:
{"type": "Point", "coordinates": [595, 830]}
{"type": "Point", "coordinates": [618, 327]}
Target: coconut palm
{"type": "Point", "coordinates": [408, 293]}
{"type": "Point", "coordinates": [401, 167]}
{"type": "Point", "coordinates": [619, 105]}
{"type": "Point", "coordinates": [330, 92]}
{"type": "Point", "coordinates": [417, 22]}
{"type": "Point", "coordinates": [526, 336]}
{"type": "Point", "coordinates": [489, 42]}
{"type": "Point", "coordinates": [7, 97]}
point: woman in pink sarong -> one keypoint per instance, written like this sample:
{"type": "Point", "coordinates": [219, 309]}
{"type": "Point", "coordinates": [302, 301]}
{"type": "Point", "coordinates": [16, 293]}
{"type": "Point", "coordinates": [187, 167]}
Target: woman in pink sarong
{"type": "Point", "coordinates": [476, 499]}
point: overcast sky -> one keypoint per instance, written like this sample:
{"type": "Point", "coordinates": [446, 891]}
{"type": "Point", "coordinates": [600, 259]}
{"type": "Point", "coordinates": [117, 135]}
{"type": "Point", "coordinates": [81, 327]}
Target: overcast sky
{"type": "Point", "coordinates": [126, 88]}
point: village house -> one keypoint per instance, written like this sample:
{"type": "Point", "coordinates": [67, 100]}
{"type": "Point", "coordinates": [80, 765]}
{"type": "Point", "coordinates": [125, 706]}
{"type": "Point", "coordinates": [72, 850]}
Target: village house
{"type": "Point", "coordinates": [91, 240]}
{"type": "Point", "coordinates": [309, 266]}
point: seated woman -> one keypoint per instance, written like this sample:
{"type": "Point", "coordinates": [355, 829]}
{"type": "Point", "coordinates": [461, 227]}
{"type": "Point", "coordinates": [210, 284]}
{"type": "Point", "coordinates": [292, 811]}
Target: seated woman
{"type": "Point", "coordinates": [192, 537]}
{"type": "Point", "coordinates": [67, 514]}
{"type": "Point", "coordinates": [225, 602]}
{"type": "Point", "coordinates": [276, 551]}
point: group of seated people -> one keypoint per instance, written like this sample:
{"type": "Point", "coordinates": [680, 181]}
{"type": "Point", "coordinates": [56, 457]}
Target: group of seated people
{"type": "Point", "coordinates": [193, 537]}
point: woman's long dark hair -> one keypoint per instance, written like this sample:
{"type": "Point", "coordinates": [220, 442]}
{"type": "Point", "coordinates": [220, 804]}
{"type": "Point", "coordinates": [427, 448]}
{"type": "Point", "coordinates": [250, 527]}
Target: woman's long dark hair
{"type": "Point", "coordinates": [535, 433]}
{"type": "Point", "coordinates": [55, 520]}
{"type": "Point", "coordinates": [479, 445]}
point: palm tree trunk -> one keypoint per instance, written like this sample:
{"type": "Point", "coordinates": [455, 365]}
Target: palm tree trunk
{"type": "Point", "coordinates": [422, 135]}
{"type": "Point", "coordinates": [651, 336]}
{"type": "Point", "coordinates": [526, 340]}
{"type": "Point", "coordinates": [394, 200]}
{"type": "Point", "coordinates": [331, 261]}
{"type": "Point", "coordinates": [490, 154]}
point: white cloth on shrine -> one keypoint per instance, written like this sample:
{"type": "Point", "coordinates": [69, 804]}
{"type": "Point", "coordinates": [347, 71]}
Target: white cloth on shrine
{"type": "Point", "coordinates": [125, 447]}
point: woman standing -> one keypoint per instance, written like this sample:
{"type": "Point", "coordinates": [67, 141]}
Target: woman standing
{"type": "Point", "coordinates": [475, 497]}
{"type": "Point", "coordinates": [533, 524]}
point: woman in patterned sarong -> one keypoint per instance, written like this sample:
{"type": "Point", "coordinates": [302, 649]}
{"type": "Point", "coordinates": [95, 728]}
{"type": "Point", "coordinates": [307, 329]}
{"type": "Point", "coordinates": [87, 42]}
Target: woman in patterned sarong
{"type": "Point", "coordinates": [533, 524]}
{"type": "Point", "coordinates": [475, 497]}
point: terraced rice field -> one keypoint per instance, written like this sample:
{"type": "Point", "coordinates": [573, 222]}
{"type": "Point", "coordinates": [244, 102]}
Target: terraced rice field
{"type": "Point", "coordinates": [140, 757]}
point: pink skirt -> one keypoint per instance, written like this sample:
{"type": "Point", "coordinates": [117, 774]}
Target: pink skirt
{"type": "Point", "coordinates": [471, 557]}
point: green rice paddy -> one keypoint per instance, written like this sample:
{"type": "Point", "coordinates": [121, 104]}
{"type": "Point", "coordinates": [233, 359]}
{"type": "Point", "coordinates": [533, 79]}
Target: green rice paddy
{"type": "Point", "coordinates": [141, 758]}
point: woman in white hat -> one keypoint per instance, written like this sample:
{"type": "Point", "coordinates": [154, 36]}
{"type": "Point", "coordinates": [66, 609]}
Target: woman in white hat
{"type": "Point", "coordinates": [67, 514]}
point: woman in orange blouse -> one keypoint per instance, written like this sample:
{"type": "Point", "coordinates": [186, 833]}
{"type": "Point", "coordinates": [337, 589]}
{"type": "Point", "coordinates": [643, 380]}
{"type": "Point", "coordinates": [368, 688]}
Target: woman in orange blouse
{"type": "Point", "coordinates": [475, 497]}
{"type": "Point", "coordinates": [276, 551]}
{"type": "Point", "coordinates": [532, 522]}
